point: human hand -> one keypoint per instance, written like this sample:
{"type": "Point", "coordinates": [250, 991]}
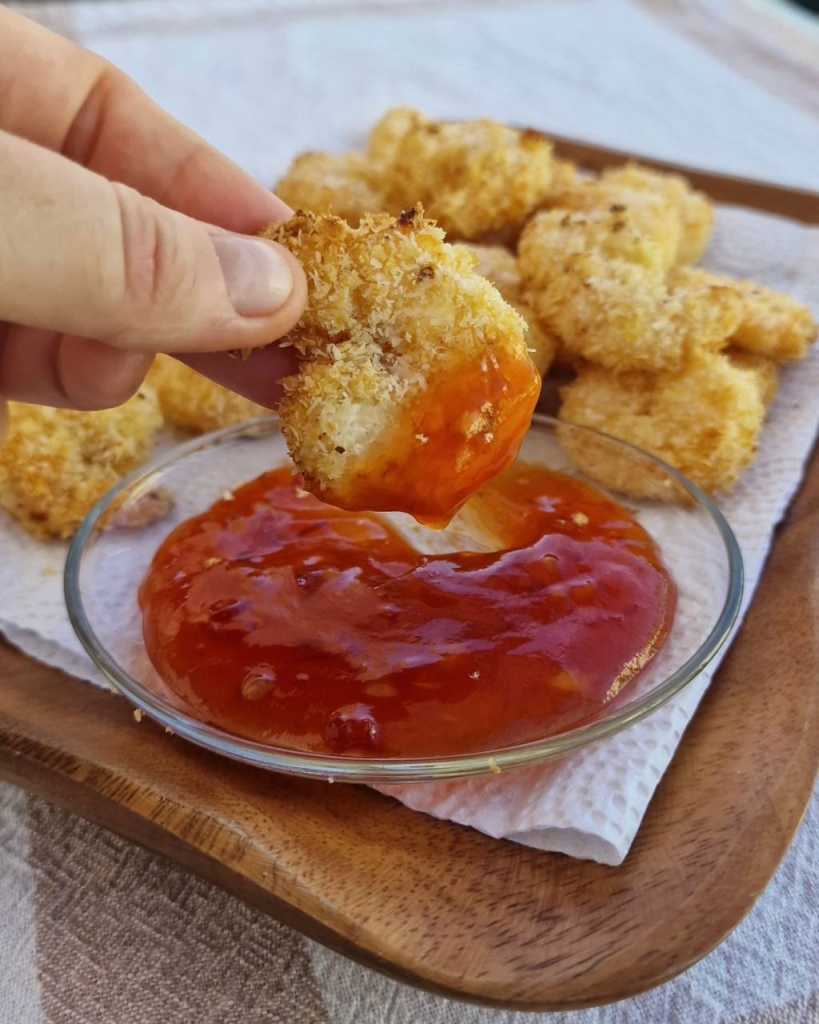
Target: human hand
{"type": "Point", "coordinates": [122, 234]}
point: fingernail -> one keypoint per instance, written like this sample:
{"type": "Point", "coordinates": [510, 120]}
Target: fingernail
{"type": "Point", "coordinates": [257, 275]}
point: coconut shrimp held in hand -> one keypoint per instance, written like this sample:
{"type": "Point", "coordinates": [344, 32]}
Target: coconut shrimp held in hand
{"type": "Point", "coordinates": [415, 385]}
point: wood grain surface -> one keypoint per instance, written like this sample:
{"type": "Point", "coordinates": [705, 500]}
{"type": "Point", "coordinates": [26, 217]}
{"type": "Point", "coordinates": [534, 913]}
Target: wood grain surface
{"type": "Point", "coordinates": [798, 204]}
{"type": "Point", "coordinates": [442, 906]}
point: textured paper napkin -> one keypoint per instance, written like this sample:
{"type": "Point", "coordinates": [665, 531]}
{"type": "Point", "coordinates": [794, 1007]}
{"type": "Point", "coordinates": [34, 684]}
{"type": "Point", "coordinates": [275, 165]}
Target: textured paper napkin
{"type": "Point", "coordinates": [590, 804]}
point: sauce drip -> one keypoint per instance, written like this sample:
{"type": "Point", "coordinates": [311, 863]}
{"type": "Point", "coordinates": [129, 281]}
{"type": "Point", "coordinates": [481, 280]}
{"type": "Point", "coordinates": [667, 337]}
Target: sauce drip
{"type": "Point", "coordinates": [282, 619]}
{"type": "Point", "coordinates": [433, 460]}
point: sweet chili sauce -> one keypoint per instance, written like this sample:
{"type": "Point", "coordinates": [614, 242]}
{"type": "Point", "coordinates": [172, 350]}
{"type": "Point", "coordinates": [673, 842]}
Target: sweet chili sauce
{"type": "Point", "coordinates": [280, 618]}
{"type": "Point", "coordinates": [432, 461]}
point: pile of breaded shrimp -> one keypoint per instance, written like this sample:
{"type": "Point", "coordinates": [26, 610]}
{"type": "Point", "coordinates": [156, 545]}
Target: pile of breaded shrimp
{"type": "Point", "coordinates": [445, 246]}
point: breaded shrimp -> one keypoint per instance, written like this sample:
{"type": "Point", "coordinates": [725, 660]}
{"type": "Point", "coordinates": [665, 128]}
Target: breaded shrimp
{"type": "Point", "coordinates": [55, 463]}
{"type": "Point", "coordinates": [474, 177]}
{"type": "Point", "coordinates": [664, 207]}
{"type": "Point", "coordinates": [644, 216]}
{"type": "Point", "coordinates": [597, 280]}
{"type": "Point", "coordinates": [193, 402]}
{"type": "Point", "coordinates": [564, 178]}
{"type": "Point", "coordinates": [705, 421]}
{"type": "Point", "coordinates": [415, 385]}
{"type": "Point", "coordinates": [765, 370]}
{"type": "Point", "coordinates": [703, 307]}
{"type": "Point", "coordinates": [773, 324]}
{"type": "Point", "coordinates": [693, 208]}
{"type": "Point", "coordinates": [499, 266]}
{"type": "Point", "coordinates": [326, 183]}
{"type": "Point", "coordinates": [389, 132]}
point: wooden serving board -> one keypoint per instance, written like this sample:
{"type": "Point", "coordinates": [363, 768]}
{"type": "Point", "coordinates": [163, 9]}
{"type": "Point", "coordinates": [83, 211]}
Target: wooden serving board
{"type": "Point", "coordinates": [442, 906]}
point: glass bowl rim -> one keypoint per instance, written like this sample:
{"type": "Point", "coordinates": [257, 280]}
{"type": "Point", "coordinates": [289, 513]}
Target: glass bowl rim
{"type": "Point", "coordinates": [387, 770]}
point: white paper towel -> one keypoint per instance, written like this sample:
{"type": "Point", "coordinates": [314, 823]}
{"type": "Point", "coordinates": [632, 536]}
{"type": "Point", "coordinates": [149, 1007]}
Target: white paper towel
{"type": "Point", "coordinates": [308, 81]}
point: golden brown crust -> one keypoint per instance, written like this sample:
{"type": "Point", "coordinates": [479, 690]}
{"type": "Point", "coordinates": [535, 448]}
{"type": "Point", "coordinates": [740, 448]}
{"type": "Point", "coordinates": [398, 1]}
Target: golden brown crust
{"type": "Point", "coordinates": [499, 266]}
{"type": "Point", "coordinates": [773, 324]}
{"type": "Point", "coordinates": [56, 463]}
{"type": "Point", "coordinates": [765, 371]}
{"type": "Point", "coordinates": [705, 421]}
{"type": "Point", "coordinates": [193, 402]}
{"type": "Point", "coordinates": [693, 209]}
{"type": "Point", "coordinates": [473, 177]}
{"type": "Point", "coordinates": [394, 313]}
{"type": "Point", "coordinates": [598, 279]}
{"type": "Point", "coordinates": [639, 218]}
{"type": "Point", "coordinates": [345, 185]}
{"type": "Point", "coordinates": [564, 178]}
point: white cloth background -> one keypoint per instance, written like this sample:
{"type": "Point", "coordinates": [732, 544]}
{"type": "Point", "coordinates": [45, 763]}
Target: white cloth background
{"type": "Point", "coordinates": [263, 80]}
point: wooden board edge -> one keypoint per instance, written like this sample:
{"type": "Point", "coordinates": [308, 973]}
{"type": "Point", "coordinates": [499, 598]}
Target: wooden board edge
{"type": "Point", "coordinates": [74, 795]}
{"type": "Point", "coordinates": [64, 781]}
{"type": "Point", "coordinates": [783, 200]}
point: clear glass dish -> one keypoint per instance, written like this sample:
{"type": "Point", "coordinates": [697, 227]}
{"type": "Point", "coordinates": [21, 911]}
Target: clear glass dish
{"type": "Point", "coordinates": [106, 564]}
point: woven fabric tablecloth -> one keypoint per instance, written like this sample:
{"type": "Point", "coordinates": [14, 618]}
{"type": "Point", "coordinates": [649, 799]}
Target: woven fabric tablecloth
{"type": "Point", "coordinates": [93, 929]}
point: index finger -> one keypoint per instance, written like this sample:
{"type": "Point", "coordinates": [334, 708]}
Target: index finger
{"type": "Point", "coordinates": [71, 100]}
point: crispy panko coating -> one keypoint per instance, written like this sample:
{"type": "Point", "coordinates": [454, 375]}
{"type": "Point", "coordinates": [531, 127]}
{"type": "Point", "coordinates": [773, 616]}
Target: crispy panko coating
{"type": "Point", "coordinates": [415, 385]}
{"type": "Point", "coordinates": [499, 266]}
{"type": "Point", "coordinates": [693, 208]}
{"type": "Point", "coordinates": [389, 132]}
{"type": "Point", "coordinates": [597, 279]}
{"type": "Point", "coordinates": [193, 402]}
{"type": "Point", "coordinates": [773, 324]}
{"type": "Point", "coordinates": [326, 183]}
{"type": "Point", "coordinates": [647, 220]}
{"type": "Point", "coordinates": [474, 177]}
{"type": "Point", "coordinates": [705, 421]}
{"type": "Point", "coordinates": [564, 179]}
{"type": "Point", "coordinates": [674, 217]}
{"type": "Point", "coordinates": [55, 463]}
{"type": "Point", "coordinates": [704, 307]}
{"type": "Point", "coordinates": [765, 370]}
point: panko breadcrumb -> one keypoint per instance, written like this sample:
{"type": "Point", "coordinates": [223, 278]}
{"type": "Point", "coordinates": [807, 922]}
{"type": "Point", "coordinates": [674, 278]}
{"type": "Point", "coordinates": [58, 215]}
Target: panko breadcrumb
{"type": "Point", "coordinates": [499, 266]}
{"type": "Point", "coordinates": [325, 183]}
{"type": "Point", "coordinates": [56, 463]}
{"type": "Point", "coordinates": [765, 371]}
{"type": "Point", "coordinates": [773, 324]}
{"type": "Point", "coordinates": [193, 402]}
{"type": "Point", "coordinates": [564, 178]}
{"type": "Point", "coordinates": [693, 208]}
{"type": "Point", "coordinates": [597, 279]}
{"type": "Point", "coordinates": [473, 177]}
{"type": "Point", "coordinates": [641, 218]}
{"type": "Point", "coordinates": [415, 385]}
{"type": "Point", "coordinates": [703, 307]}
{"type": "Point", "coordinates": [389, 132]}
{"type": "Point", "coordinates": [705, 421]}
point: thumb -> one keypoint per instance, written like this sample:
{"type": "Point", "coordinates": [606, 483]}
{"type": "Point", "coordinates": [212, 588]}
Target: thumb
{"type": "Point", "coordinates": [84, 256]}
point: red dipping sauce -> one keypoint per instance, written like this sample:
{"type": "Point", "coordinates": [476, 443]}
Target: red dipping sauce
{"type": "Point", "coordinates": [282, 619]}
